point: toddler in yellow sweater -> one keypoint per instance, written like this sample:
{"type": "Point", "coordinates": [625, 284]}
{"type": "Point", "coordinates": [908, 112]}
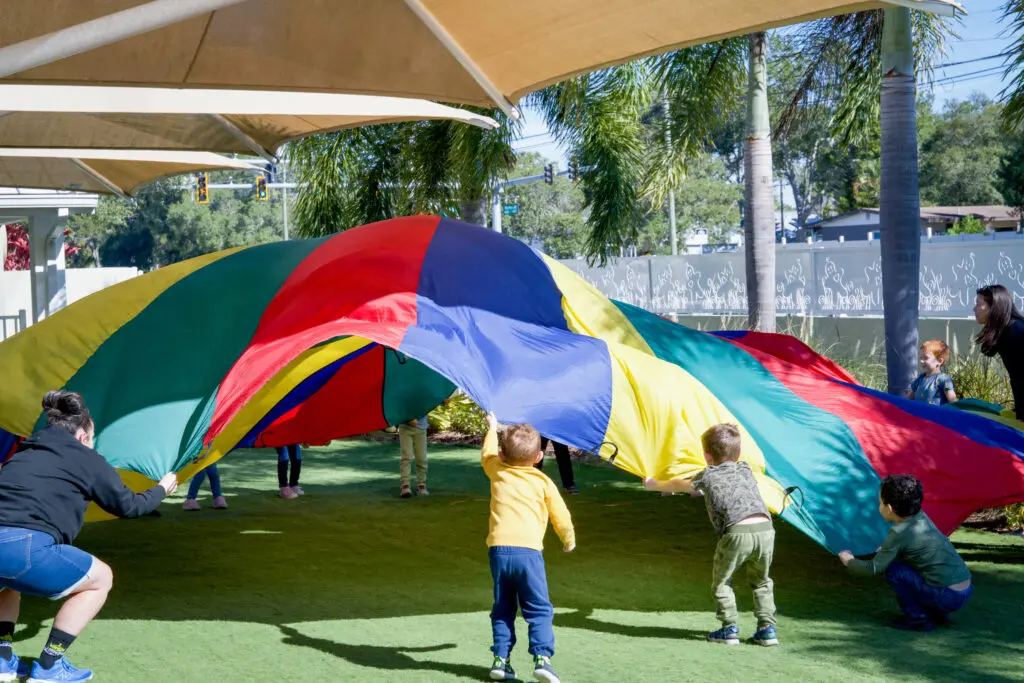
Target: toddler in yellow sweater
{"type": "Point", "coordinates": [522, 500]}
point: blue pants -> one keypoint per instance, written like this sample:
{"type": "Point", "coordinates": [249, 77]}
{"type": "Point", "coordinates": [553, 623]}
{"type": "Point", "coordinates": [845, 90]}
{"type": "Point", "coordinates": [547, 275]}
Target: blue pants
{"type": "Point", "coordinates": [286, 454]}
{"type": "Point", "coordinates": [520, 582]}
{"type": "Point", "coordinates": [197, 481]}
{"type": "Point", "coordinates": [921, 600]}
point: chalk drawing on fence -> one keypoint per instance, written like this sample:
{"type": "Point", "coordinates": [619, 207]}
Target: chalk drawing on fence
{"type": "Point", "coordinates": [813, 280]}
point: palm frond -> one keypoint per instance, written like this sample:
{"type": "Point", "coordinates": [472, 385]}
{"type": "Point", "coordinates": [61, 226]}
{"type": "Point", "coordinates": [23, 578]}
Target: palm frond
{"type": "Point", "coordinates": [841, 68]}
{"type": "Point", "coordinates": [699, 87]}
{"type": "Point", "coordinates": [1013, 93]}
{"type": "Point", "coordinates": [598, 117]}
{"type": "Point", "coordinates": [321, 163]}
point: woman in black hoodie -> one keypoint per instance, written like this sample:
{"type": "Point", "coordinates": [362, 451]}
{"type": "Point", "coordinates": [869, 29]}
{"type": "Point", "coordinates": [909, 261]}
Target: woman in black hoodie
{"type": "Point", "coordinates": [1002, 332]}
{"type": "Point", "coordinates": [45, 489]}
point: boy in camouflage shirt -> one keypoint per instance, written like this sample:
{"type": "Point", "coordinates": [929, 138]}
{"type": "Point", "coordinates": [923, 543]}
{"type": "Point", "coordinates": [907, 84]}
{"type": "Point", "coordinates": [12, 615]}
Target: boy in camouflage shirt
{"type": "Point", "coordinates": [744, 527]}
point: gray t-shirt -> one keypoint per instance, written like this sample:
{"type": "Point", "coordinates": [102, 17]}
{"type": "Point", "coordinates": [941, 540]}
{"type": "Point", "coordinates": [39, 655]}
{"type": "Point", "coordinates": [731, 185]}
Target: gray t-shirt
{"type": "Point", "coordinates": [730, 493]}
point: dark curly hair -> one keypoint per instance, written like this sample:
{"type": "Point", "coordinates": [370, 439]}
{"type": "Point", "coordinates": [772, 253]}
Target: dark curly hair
{"type": "Point", "coordinates": [903, 493]}
{"type": "Point", "coordinates": [67, 409]}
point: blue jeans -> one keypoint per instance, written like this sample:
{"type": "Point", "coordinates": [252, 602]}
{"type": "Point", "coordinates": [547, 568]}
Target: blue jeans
{"type": "Point", "coordinates": [33, 562]}
{"type": "Point", "coordinates": [197, 481]}
{"type": "Point", "coordinates": [520, 582]}
{"type": "Point", "coordinates": [921, 600]}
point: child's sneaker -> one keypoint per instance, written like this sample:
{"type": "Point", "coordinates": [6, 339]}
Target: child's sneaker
{"type": "Point", "coordinates": [298, 491]}
{"type": "Point", "coordinates": [727, 635]}
{"type": "Point", "coordinates": [405, 492]}
{"type": "Point", "coordinates": [60, 671]}
{"type": "Point", "coordinates": [191, 504]}
{"type": "Point", "coordinates": [11, 668]}
{"type": "Point", "coordinates": [572, 490]}
{"type": "Point", "coordinates": [542, 670]}
{"type": "Point", "coordinates": [501, 670]}
{"type": "Point", "coordinates": [766, 635]}
{"type": "Point", "coordinates": [219, 503]}
{"type": "Point", "coordinates": [286, 492]}
{"type": "Point", "coordinates": [422, 490]}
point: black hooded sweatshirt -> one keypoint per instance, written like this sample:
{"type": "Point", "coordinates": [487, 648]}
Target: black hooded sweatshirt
{"type": "Point", "coordinates": [48, 484]}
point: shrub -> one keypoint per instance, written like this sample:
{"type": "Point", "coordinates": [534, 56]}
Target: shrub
{"type": "Point", "coordinates": [458, 414]}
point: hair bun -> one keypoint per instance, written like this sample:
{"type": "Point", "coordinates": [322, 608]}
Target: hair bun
{"type": "Point", "coordinates": [68, 403]}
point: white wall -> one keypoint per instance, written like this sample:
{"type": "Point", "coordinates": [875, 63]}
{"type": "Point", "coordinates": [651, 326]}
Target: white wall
{"type": "Point", "coordinates": [16, 292]}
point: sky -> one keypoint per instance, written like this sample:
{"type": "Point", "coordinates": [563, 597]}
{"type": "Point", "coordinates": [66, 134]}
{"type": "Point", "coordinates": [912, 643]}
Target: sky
{"type": "Point", "coordinates": [981, 35]}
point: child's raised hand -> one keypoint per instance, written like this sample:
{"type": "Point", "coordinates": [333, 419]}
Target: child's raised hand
{"type": "Point", "coordinates": [845, 556]}
{"type": "Point", "coordinates": [569, 548]}
{"type": "Point", "coordinates": [492, 421]}
{"type": "Point", "coordinates": [650, 483]}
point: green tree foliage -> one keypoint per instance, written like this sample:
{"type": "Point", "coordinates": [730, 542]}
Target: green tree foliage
{"type": "Point", "coordinates": [960, 156]}
{"type": "Point", "coordinates": [968, 225]}
{"type": "Point", "coordinates": [552, 215]}
{"type": "Point", "coordinates": [163, 224]}
{"type": "Point", "coordinates": [1010, 176]}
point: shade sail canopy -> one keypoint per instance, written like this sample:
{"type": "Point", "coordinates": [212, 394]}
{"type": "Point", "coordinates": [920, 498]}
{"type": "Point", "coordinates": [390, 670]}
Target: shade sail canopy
{"type": "Point", "coordinates": [466, 51]}
{"type": "Point", "coordinates": [229, 121]}
{"type": "Point", "coordinates": [121, 172]}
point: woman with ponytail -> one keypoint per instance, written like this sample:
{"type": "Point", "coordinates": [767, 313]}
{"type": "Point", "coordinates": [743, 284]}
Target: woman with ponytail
{"type": "Point", "coordinates": [1002, 332]}
{"type": "Point", "coordinates": [45, 489]}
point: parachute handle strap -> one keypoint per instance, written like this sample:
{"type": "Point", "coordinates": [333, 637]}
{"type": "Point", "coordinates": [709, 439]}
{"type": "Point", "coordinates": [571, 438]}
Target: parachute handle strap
{"type": "Point", "coordinates": [597, 451]}
{"type": "Point", "coordinates": [789, 493]}
{"type": "Point", "coordinates": [402, 358]}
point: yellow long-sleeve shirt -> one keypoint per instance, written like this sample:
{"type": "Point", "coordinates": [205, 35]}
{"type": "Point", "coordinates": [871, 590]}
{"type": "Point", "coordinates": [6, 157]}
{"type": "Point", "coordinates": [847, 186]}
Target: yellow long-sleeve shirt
{"type": "Point", "coordinates": [522, 498]}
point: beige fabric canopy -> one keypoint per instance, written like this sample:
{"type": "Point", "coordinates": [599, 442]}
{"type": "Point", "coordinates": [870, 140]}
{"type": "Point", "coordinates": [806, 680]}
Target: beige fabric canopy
{"type": "Point", "coordinates": [229, 121]}
{"type": "Point", "coordinates": [467, 51]}
{"type": "Point", "coordinates": [103, 171]}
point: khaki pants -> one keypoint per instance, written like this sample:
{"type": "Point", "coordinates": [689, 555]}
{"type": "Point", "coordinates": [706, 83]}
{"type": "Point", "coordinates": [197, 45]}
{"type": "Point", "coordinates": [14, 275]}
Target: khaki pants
{"type": "Point", "coordinates": [752, 545]}
{"type": "Point", "coordinates": [414, 444]}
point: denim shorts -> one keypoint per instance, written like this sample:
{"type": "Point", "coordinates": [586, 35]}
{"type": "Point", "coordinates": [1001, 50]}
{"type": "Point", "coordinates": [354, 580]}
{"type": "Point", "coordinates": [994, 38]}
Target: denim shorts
{"type": "Point", "coordinates": [32, 562]}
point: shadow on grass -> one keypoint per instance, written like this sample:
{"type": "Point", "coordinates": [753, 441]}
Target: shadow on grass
{"type": "Point", "coordinates": [384, 658]}
{"type": "Point", "coordinates": [583, 619]}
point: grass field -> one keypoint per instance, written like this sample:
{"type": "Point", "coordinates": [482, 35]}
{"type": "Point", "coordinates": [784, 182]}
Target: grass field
{"type": "Point", "coordinates": [350, 583]}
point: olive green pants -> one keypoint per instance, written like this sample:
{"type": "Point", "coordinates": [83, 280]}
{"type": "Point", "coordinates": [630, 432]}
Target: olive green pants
{"type": "Point", "coordinates": [751, 545]}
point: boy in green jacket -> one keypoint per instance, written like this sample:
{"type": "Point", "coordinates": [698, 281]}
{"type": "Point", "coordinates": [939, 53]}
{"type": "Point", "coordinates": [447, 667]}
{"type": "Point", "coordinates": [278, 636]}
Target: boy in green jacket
{"type": "Point", "coordinates": [929, 577]}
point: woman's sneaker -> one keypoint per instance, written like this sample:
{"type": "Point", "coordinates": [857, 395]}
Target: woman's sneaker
{"type": "Point", "coordinates": [60, 671]}
{"type": "Point", "coordinates": [421, 490]}
{"type": "Point", "coordinates": [766, 636]}
{"type": "Point", "coordinates": [501, 670]}
{"type": "Point", "coordinates": [727, 635]}
{"type": "Point", "coordinates": [220, 503]}
{"type": "Point", "coordinates": [297, 490]}
{"type": "Point", "coordinates": [191, 504]}
{"type": "Point", "coordinates": [286, 492]}
{"type": "Point", "coordinates": [405, 492]}
{"type": "Point", "coordinates": [11, 669]}
{"type": "Point", "coordinates": [542, 670]}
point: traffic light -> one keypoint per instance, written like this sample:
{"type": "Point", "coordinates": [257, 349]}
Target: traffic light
{"type": "Point", "coordinates": [574, 170]}
{"type": "Point", "coordinates": [549, 174]}
{"type": "Point", "coordinates": [202, 191]}
{"type": "Point", "coordinates": [261, 187]}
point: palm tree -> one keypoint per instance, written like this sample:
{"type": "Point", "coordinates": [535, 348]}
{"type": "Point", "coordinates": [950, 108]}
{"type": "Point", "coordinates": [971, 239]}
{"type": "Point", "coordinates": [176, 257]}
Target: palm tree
{"type": "Point", "coordinates": [846, 56]}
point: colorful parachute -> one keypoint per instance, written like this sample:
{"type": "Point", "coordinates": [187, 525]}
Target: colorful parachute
{"type": "Point", "coordinates": [317, 339]}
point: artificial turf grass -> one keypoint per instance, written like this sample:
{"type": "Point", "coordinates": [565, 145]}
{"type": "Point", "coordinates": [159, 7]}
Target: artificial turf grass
{"type": "Point", "coordinates": [351, 583]}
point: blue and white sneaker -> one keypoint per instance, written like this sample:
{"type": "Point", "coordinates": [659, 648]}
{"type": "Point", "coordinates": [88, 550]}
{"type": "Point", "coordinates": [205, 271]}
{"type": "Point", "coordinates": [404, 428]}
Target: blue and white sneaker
{"type": "Point", "coordinates": [501, 670]}
{"type": "Point", "coordinates": [727, 635]}
{"type": "Point", "coordinates": [766, 636]}
{"type": "Point", "coordinates": [62, 670]}
{"type": "Point", "coordinates": [542, 670]}
{"type": "Point", "coordinates": [9, 668]}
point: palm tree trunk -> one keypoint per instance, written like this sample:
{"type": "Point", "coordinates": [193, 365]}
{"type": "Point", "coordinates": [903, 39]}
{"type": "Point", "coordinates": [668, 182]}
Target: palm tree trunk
{"type": "Point", "coordinates": [759, 204]}
{"type": "Point", "coordinates": [899, 201]}
{"type": "Point", "coordinates": [474, 211]}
